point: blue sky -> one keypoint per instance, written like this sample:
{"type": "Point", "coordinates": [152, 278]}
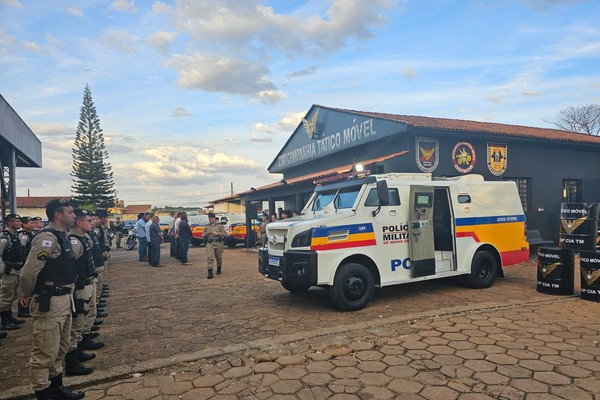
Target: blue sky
{"type": "Point", "coordinates": [194, 95]}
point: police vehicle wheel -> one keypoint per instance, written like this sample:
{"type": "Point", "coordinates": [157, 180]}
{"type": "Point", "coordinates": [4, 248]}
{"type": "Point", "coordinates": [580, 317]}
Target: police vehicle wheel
{"type": "Point", "coordinates": [295, 287]}
{"type": "Point", "coordinates": [352, 287]}
{"type": "Point", "coordinates": [483, 270]}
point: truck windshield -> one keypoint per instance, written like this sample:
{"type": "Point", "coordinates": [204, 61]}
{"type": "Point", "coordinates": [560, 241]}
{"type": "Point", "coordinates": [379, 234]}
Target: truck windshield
{"type": "Point", "coordinates": [342, 198]}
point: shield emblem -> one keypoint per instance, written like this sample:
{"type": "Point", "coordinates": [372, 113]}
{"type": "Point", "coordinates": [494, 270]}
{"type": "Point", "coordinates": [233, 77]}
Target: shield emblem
{"type": "Point", "coordinates": [426, 153]}
{"type": "Point", "coordinates": [497, 161]}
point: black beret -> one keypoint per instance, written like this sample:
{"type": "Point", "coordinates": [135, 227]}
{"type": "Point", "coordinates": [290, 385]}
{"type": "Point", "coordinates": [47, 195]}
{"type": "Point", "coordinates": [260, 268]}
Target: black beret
{"type": "Point", "coordinates": [80, 212]}
{"type": "Point", "coordinates": [211, 215]}
{"type": "Point", "coordinates": [102, 213]}
{"type": "Point", "coordinates": [13, 216]}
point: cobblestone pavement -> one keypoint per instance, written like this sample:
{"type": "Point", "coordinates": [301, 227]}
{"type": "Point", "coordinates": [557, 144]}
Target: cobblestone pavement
{"type": "Point", "coordinates": [173, 334]}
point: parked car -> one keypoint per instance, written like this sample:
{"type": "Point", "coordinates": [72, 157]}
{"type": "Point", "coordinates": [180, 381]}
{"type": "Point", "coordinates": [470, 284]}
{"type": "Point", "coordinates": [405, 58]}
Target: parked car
{"type": "Point", "coordinates": [237, 233]}
{"type": "Point", "coordinates": [127, 225]}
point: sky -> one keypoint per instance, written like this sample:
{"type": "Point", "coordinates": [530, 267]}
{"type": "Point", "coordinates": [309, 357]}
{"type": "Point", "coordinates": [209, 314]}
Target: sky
{"type": "Point", "coordinates": [197, 96]}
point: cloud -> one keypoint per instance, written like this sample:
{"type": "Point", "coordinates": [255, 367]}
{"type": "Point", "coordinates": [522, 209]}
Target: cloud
{"type": "Point", "coordinates": [159, 7]}
{"type": "Point", "coordinates": [304, 72]}
{"type": "Point", "coordinates": [240, 39]}
{"type": "Point", "coordinates": [180, 112]}
{"type": "Point", "coordinates": [120, 40]}
{"type": "Point", "coordinates": [168, 165]}
{"type": "Point", "coordinates": [290, 121]}
{"type": "Point", "coordinates": [257, 139]}
{"type": "Point", "coordinates": [409, 73]}
{"type": "Point", "coordinates": [545, 4]}
{"type": "Point", "coordinates": [123, 6]}
{"type": "Point", "coordinates": [162, 40]}
{"type": "Point", "coordinates": [53, 40]}
{"type": "Point", "coordinates": [76, 11]}
{"type": "Point", "coordinates": [531, 93]}
{"type": "Point", "coordinates": [224, 74]}
{"type": "Point", "coordinates": [53, 129]}
{"type": "Point", "coordinates": [494, 98]}
{"type": "Point", "coordinates": [11, 3]}
{"type": "Point", "coordinates": [33, 46]}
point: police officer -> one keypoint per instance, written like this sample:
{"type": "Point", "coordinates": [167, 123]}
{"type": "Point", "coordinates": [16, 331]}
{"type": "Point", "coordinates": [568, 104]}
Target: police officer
{"type": "Point", "coordinates": [47, 281]}
{"type": "Point", "coordinates": [30, 227]}
{"type": "Point", "coordinates": [13, 249]}
{"type": "Point", "coordinates": [86, 271]}
{"type": "Point", "coordinates": [213, 235]}
{"type": "Point", "coordinates": [118, 227]}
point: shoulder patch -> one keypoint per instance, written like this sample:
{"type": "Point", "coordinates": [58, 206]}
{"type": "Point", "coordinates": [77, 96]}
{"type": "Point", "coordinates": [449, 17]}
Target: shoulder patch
{"type": "Point", "coordinates": [42, 256]}
{"type": "Point", "coordinates": [74, 241]}
{"type": "Point", "coordinates": [3, 240]}
{"type": "Point", "coordinates": [46, 243]}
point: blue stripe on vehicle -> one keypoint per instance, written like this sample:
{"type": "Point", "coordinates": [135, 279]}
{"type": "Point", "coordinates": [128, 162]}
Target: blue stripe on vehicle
{"type": "Point", "coordinates": [357, 228]}
{"type": "Point", "coordinates": [499, 219]}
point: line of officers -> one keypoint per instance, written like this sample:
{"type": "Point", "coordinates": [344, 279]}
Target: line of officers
{"type": "Point", "coordinates": [58, 272]}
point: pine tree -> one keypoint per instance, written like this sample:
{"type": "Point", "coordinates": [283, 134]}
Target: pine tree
{"type": "Point", "coordinates": [93, 185]}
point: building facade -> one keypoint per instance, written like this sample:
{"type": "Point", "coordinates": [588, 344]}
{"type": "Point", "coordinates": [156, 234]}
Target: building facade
{"type": "Point", "coordinates": [549, 166]}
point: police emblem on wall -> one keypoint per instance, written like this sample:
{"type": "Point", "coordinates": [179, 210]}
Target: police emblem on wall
{"type": "Point", "coordinates": [309, 126]}
{"type": "Point", "coordinates": [426, 154]}
{"type": "Point", "coordinates": [463, 157]}
{"type": "Point", "coordinates": [497, 158]}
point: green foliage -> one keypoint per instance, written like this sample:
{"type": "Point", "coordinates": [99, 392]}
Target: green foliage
{"type": "Point", "coordinates": [92, 177]}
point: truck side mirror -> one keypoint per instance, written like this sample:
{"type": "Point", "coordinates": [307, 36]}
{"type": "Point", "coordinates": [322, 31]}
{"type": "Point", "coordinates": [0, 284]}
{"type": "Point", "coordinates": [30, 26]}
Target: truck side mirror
{"type": "Point", "coordinates": [382, 193]}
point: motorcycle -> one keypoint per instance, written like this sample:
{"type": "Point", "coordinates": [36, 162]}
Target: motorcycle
{"type": "Point", "coordinates": [111, 236]}
{"type": "Point", "coordinates": [132, 240]}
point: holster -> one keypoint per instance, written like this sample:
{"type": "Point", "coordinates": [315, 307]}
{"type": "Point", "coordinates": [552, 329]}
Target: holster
{"type": "Point", "coordinates": [44, 301]}
{"type": "Point", "coordinates": [82, 306]}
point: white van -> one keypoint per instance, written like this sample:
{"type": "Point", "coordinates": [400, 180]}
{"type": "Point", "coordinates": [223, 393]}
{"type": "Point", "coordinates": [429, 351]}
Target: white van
{"type": "Point", "coordinates": [364, 232]}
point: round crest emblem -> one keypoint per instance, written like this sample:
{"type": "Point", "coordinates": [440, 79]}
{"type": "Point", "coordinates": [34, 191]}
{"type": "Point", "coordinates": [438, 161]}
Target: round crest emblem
{"type": "Point", "coordinates": [463, 157]}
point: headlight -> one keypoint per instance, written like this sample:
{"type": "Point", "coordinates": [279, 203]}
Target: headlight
{"type": "Point", "coordinates": [302, 239]}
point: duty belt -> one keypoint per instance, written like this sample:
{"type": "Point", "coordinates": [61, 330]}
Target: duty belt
{"type": "Point", "coordinates": [85, 281]}
{"type": "Point", "coordinates": [55, 290]}
{"type": "Point", "coordinates": [214, 240]}
{"type": "Point", "coordinates": [11, 265]}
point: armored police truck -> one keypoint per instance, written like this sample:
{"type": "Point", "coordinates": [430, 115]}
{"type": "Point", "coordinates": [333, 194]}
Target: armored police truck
{"type": "Point", "coordinates": [362, 232]}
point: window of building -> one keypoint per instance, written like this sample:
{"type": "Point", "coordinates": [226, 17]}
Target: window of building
{"type": "Point", "coordinates": [572, 190]}
{"type": "Point", "coordinates": [523, 186]}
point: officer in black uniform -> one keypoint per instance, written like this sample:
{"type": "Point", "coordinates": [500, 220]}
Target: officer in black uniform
{"type": "Point", "coordinates": [13, 251]}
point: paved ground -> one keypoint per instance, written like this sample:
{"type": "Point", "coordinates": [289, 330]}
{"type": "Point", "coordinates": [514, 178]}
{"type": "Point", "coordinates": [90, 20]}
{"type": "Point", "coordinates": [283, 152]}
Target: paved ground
{"type": "Point", "coordinates": [173, 334]}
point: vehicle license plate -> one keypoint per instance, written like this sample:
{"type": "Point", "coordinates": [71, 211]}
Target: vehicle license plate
{"type": "Point", "coordinates": [274, 261]}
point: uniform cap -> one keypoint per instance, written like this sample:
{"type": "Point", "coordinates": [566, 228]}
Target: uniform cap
{"type": "Point", "coordinates": [13, 216]}
{"type": "Point", "coordinates": [211, 215]}
{"type": "Point", "coordinates": [80, 212]}
{"type": "Point", "coordinates": [25, 220]}
{"type": "Point", "coordinates": [102, 213]}
{"type": "Point", "coordinates": [36, 218]}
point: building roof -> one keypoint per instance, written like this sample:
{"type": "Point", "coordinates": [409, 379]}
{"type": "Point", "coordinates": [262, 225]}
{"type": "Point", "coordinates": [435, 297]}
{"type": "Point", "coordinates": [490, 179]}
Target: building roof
{"type": "Point", "coordinates": [37, 201]}
{"type": "Point", "coordinates": [137, 208]}
{"type": "Point", "coordinates": [446, 124]}
{"type": "Point", "coordinates": [228, 199]}
{"type": "Point", "coordinates": [323, 174]}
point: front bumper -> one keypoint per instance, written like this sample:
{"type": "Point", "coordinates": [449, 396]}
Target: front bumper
{"type": "Point", "coordinates": [298, 267]}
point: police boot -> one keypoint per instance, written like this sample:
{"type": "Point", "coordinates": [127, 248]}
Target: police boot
{"type": "Point", "coordinates": [23, 312]}
{"type": "Point", "coordinates": [101, 303]}
{"type": "Point", "coordinates": [210, 275]}
{"type": "Point", "coordinates": [14, 320]}
{"type": "Point", "coordinates": [98, 321]}
{"type": "Point", "coordinates": [95, 328]}
{"type": "Point", "coordinates": [5, 323]}
{"type": "Point", "coordinates": [218, 270]}
{"type": "Point", "coordinates": [43, 394]}
{"type": "Point", "coordinates": [73, 367]}
{"type": "Point", "coordinates": [82, 356]}
{"type": "Point", "coordinates": [101, 314]}
{"type": "Point", "coordinates": [58, 391]}
{"type": "Point", "coordinates": [105, 286]}
{"type": "Point", "coordinates": [90, 344]}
